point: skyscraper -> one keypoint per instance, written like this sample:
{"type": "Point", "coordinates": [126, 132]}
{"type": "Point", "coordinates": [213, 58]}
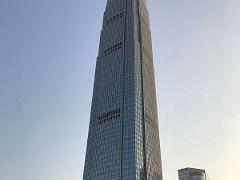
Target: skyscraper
{"type": "Point", "coordinates": [123, 140]}
{"type": "Point", "coordinates": [192, 174]}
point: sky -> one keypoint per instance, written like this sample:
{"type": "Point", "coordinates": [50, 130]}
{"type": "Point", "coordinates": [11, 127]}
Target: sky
{"type": "Point", "coordinates": [48, 52]}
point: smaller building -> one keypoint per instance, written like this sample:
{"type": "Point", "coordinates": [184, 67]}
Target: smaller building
{"type": "Point", "coordinates": [192, 174]}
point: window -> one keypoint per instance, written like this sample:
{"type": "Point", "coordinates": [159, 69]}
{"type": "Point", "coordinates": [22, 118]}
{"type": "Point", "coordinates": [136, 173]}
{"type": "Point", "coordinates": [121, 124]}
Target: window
{"type": "Point", "coordinates": [115, 17]}
{"type": "Point", "coordinates": [113, 49]}
{"type": "Point", "coordinates": [109, 115]}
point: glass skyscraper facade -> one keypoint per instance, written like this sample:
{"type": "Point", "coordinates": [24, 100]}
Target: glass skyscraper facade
{"type": "Point", "coordinates": [123, 140]}
{"type": "Point", "coordinates": [192, 174]}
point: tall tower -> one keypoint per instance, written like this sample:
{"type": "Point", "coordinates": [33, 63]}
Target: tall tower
{"type": "Point", "coordinates": [123, 140]}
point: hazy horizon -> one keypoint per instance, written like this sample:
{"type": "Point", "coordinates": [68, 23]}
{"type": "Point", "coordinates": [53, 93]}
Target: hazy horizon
{"type": "Point", "coordinates": [48, 52]}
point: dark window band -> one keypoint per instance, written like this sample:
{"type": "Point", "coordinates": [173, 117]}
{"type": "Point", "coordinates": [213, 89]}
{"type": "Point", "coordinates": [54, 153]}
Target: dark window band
{"type": "Point", "coordinates": [115, 17]}
{"type": "Point", "coordinates": [113, 49]}
{"type": "Point", "coordinates": [109, 115]}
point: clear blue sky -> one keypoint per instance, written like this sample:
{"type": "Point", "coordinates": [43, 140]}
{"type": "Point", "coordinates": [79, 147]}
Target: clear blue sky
{"type": "Point", "coordinates": [48, 50]}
